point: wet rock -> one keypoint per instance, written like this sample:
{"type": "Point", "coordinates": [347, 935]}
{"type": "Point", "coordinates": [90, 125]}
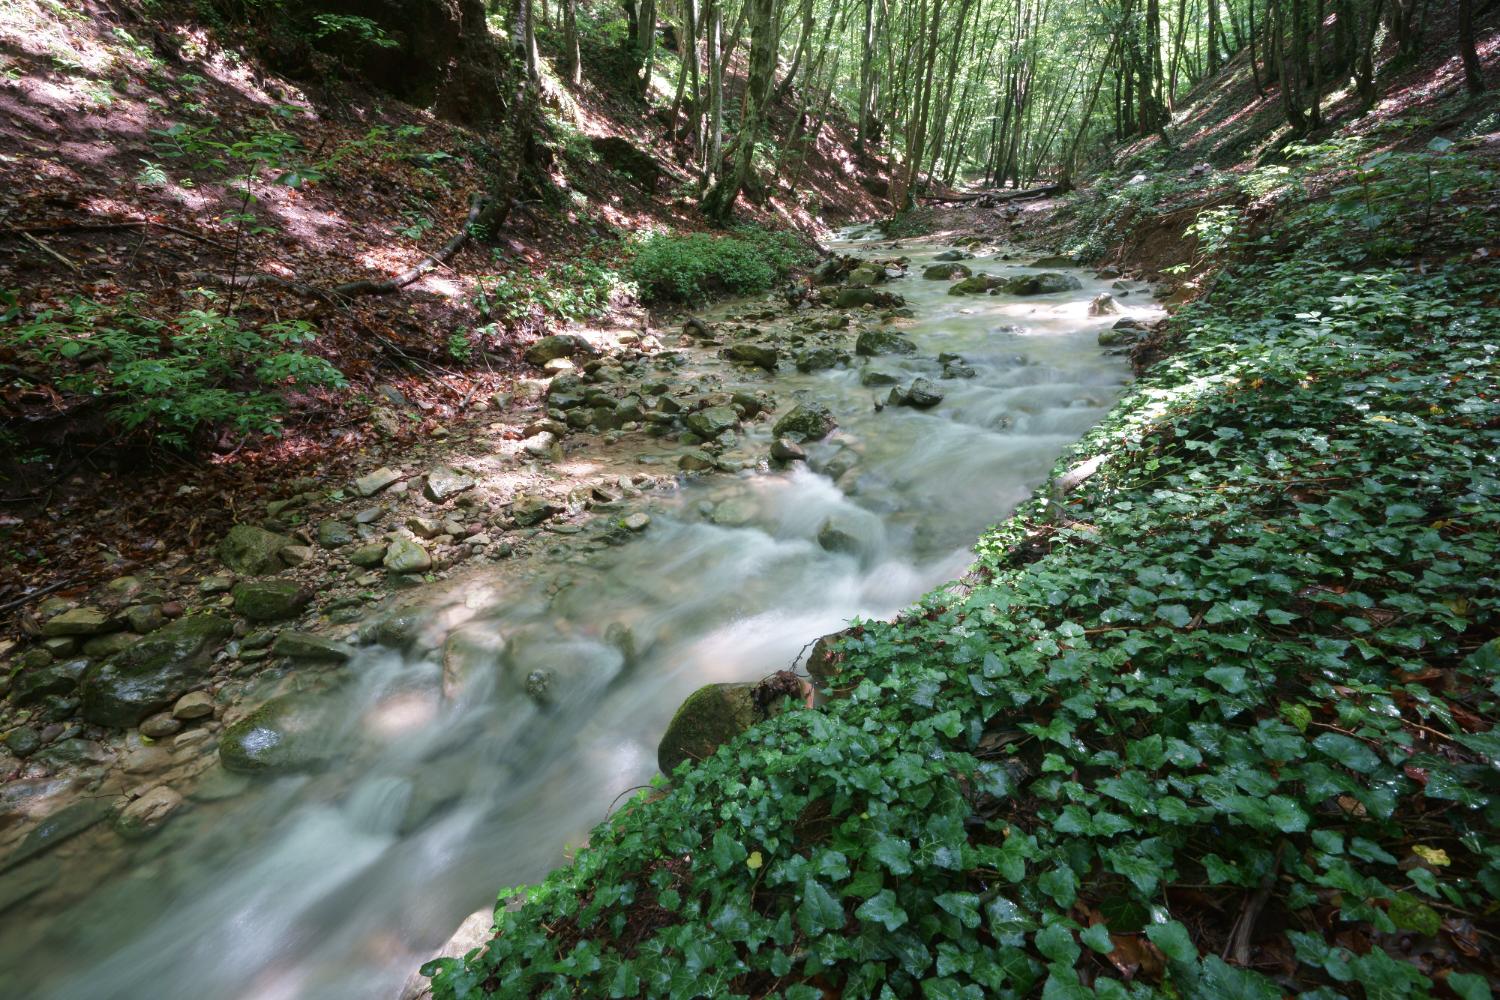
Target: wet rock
{"type": "Point", "coordinates": [62, 825]}
{"type": "Point", "coordinates": [474, 932]}
{"type": "Point", "coordinates": [872, 376]}
{"type": "Point", "coordinates": [784, 449]}
{"type": "Point", "coordinates": [838, 535]}
{"type": "Point", "coordinates": [270, 600]}
{"type": "Point", "coordinates": [31, 686]}
{"type": "Point", "coordinates": [1056, 260]}
{"type": "Point", "coordinates": [424, 527]}
{"type": "Point", "coordinates": [217, 784]}
{"type": "Point", "coordinates": [864, 276]}
{"type": "Point", "coordinates": [1103, 304]}
{"type": "Point", "coordinates": [806, 422]}
{"type": "Point", "coordinates": [562, 345]}
{"type": "Point", "coordinates": [193, 705]}
{"type": "Point", "coordinates": [979, 284]}
{"type": "Point", "coordinates": [152, 674]}
{"type": "Point", "coordinates": [922, 394]}
{"type": "Point", "coordinates": [333, 534]}
{"type": "Point", "coordinates": [145, 618]}
{"type": "Point", "coordinates": [307, 646]}
{"type": "Point", "coordinates": [400, 631]}
{"type": "Point", "coordinates": [407, 555]}
{"type": "Point", "coordinates": [251, 550]}
{"type": "Point", "coordinates": [815, 359]}
{"type": "Point", "coordinates": [1125, 331]}
{"type": "Point", "coordinates": [443, 484]}
{"type": "Point", "coordinates": [947, 272]}
{"type": "Point", "coordinates": [957, 369]}
{"type": "Point", "coordinates": [373, 482]}
{"type": "Point", "coordinates": [288, 733]}
{"type": "Point", "coordinates": [636, 522]}
{"type": "Point", "coordinates": [146, 760]}
{"type": "Point", "coordinates": [75, 752]}
{"type": "Point", "coordinates": [160, 725]}
{"type": "Point", "coordinates": [1047, 283]}
{"type": "Point", "coordinates": [953, 255]}
{"type": "Point", "coordinates": [710, 717]}
{"type": "Point", "coordinates": [79, 621]}
{"type": "Point", "coordinates": [750, 404]}
{"type": "Point", "coordinates": [528, 509]}
{"type": "Point", "coordinates": [109, 644]}
{"type": "Point", "coordinates": [540, 445]}
{"type": "Point", "coordinates": [873, 342]}
{"type": "Point", "coordinates": [148, 813]}
{"type": "Point", "coordinates": [734, 512]}
{"type": "Point", "coordinates": [761, 355]}
{"type": "Point", "coordinates": [695, 327]}
{"type": "Point", "coordinates": [23, 741]}
{"type": "Point", "coordinates": [695, 461]}
{"type": "Point", "coordinates": [297, 555]}
{"type": "Point", "coordinates": [713, 421]}
{"type": "Point", "coordinates": [849, 298]}
{"type": "Point", "coordinates": [471, 661]}
{"type": "Point", "coordinates": [539, 686]}
{"type": "Point", "coordinates": [370, 555]}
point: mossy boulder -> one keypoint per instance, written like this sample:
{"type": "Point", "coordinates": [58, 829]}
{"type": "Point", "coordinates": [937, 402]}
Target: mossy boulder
{"type": "Point", "coordinates": [289, 733]}
{"type": "Point", "coordinates": [152, 674]}
{"type": "Point", "coordinates": [849, 298]}
{"type": "Point", "coordinates": [979, 284]}
{"type": "Point", "coordinates": [1046, 283]}
{"type": "Point", "coordinates": [270, 600]}
{"type": "Point", "coordinates": [561, 345]}
{"type": "Point", "coordinates": [761, 355]}
{"type": "Point", "coordinates": [711, 716]}
{"type": "Point", "coordinates": [806, 422]}
{"type": "Point", "coordinates": [251, 550]}
{"type": "Point", "coordinates": [946, 272]}
{"type": "Point", "coordinates": [873, 342]}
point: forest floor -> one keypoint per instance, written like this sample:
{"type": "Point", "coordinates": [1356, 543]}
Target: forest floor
{"type": "Point", "coordinates": [120, 156]}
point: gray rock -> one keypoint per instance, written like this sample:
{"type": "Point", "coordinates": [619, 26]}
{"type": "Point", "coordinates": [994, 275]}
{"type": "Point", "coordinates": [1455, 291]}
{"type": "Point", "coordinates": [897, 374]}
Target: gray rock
{"type": "Point", "coordinates": [952, 255]}
{"type": "Point", "coordinates": [288, 733]}
{"type": "Point", "coordinates": [713, 421]}
{"type": "Point", "coordinates": [219, 584]}
{"type": "Point", "coordinates": [837, 535]}
{"type": "Point", "coordinates": [298, 555]}
{"type": "Point", "coordinates": [636, 522]}
{"type": "Point", "coordinates": [562, 345]}
{"type": "Point", "coordinates": [270, 600]}
{"type": "Point", "coordinates": [424, 527]}
{"type": "Point", "coordinates": [368, 556]}
{"type": "Point", "coordinates": [871, 376]}
{"type": "Point", "coordinates": [194, 705]}
{"type": "Point", "coordinates": [873, 342]}
{"type": "Point", "coordinates": [957, 369]}
{"type": "Point", "coordinates": [806, 422]}
{"type": "Point", "coordinates": [152, 674]}
{"type": "Point", "coordinates": [62, 825]}
{"type": "Point", "coordinates": [864, 276]}
{"type": "Point", "coordinates": [145, 618]}
{"type": "Point", "coordinates": [734, 512]}
{"type": "Point", "coordinates": [761, 355]}
{"type": "Point", "coordinates": [160, 725]}
{"type": "Point", "coordinates": [818, 358]}
{"type": "Point", "coordinates": [146, 814]}
{"type": "Point", "coordinates": [445, 483]}
{"type": "Point", "coordinates": [1047, 283]}
{"type": "Point", "coordinates": [333, 533]}
{"type": "Point", "coordinates": [23, 741]}
{"type": "Point", "coordinates": [849, 298]}
{"type": "Point", "coordinates": [1103, 304]}
{"type": "Point", "coordinates": [31, 686]}
{"type": "Point", "coordinates": [79, 621]}
{"type": "Point", "coordinates": [528, 509]}
{"type": "Point", "coordinates": [921, 394]}
{"type": "Point", "coordinates": [109, 644]}
{"type": "Point", "coordinates": [407, 555]}
{"type": "Point", "coordinates": [695, 461]}
{"type": "Point", "coordinates": [307, 646]}
{"type": "Point", "coordinates": [946, 272]}
{"type": "Point", "coordinates": [979, 284]}
{"type": "Point", "coordinates": [786, 450]}
{"type": "Point", "coordinates": [373, 482]}
{"type": "Point", "coordinates": [1056, 260]}
{"type": "Point", "coordinates": [711, 716]}
{"type": "Point", "coordinates": [251, 550]}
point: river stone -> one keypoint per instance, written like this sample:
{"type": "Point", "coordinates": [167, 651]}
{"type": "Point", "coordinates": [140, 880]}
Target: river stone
{"type": "Point", "coordinates": [952, 255]}
{"type": "Point", "coordinates": [406, 555]}
{"type": "Point", "coordinates": [977, 285]}
{"type": "Point", "coordinates": [806, 422]}
{"type": "Point", "coordinates": [67, 822]}
{"type": "Point", "coordinates": [109, 644]}
{"type": "Point", "coordinates": [849, 298]}
{"type": "Point", "coordinates": [251, 550]}
{"type": "Point", "coordinates": [864, 276]}
{"type": "Point", "coordinates": [761, 355]}
{"type": "Point", "coordinates": [443, 483]}
{"type": "Point", "coordinates": [146, 814]}
{"type": "Point", "coordinates": [285, 734]}
{"type": "Point", "coordinates": [695, 461]}
{"type": "Point", "coordinates": [837, 535]}
{"type": "Point", "coordinates": [146, 760]}
{"type": "Point", "coordinates": [193, 705]}
{"type": "Point", "coordinates": [270, 600]}
{"type": "Point", "coordinates": [474, 932]}
{"type": "Point", "coordinates": [818, 358]}
{"type": "Point", "coordinates": [784, 449]}
{"type": "Point", "coordinates": [712, 422]}
{"type": "Point", "coordinates": [946, 272]}
{"type": "Point", "coordinates": [873, 342]}
{"type": "Point", "coordinates": [153, 673]}
{"type": "Point", "coordinates": [1103, 304]}
{"type": "Point", "coordinates": [33, 685]}
{"type": "Point", "coordinates": [160, 725]}
{"type": "Point", "coordinates": [921, 394]}
{"type": "Point", "coordinates": [23, 741]}
{"type": "Point", "coordinates": [307, 646]}
{"type": "Point", "coordinates": [636, 522]}
{"type": "Point", "coordinates": [871, 376]}
{"type": "Point", "coordinates": [369, 555]}
{"type": "Point", "coordinates": [957, 369]}
{"type": "Point", "coordinates": [78, 621]}
{"type": "Point", "coordinates": [471, 660]}
{"type": "Point", "coordinates": [145, 618]}
{"type": "Point", "coordinates": [711, 716]}
{"type": "Point", "coordinates": [372, 483]}
{"type": "Point", "coordinates": [1056, 260]}
{"type": "Point", "coordinates": [527, 509]}
{"type": "Point", "coordinates": [562, 345]}
{"type": "Point", "coordinates": [333, 533]}
{"type": "Point", "coordinates": [734, 512]}
{"type": "Point", "coordinates": [1047, 283]}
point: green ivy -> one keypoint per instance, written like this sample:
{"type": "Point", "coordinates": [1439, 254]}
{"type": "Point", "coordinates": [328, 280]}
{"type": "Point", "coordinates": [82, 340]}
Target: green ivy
{"type": "Point", "coordinates": [1247, 671]}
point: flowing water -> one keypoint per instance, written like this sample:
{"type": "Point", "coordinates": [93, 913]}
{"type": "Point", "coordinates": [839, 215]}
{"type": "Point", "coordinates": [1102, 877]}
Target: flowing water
{"type": "Point", "coordinates": [337, 884]}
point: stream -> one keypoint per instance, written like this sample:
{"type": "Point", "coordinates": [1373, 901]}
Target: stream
{"type": "Point", "coordinates": [336, 884]}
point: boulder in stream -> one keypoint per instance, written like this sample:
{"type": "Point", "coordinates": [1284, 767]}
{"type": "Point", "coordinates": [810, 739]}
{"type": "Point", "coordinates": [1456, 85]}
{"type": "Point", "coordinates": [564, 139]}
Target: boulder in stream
{"type": "Point", "coordinates": [806, 422]}
{"type": "Point", "coordinates": [270, 600]}
{"type": "Point", "coordinates": [1046, 283]}
{"type": "Point", "coordinates": [922, 394]}
{"type": "Point", "coordinates": [946, 272]}
{"type": "Point", "coordinates": [289, 733]}
{"type": "Point", "coordinates": [760, 355]}
{"type": "Point", "coordinates": [153, 673]}
{"type": "Point", "coordinates": [717, 713]}
{"type": "Point", "coordinates": [873, 342]}
{"type": "Point", "coordinates": [979, 284]}
{"type": "Point", "coordinates": [1104, 304]}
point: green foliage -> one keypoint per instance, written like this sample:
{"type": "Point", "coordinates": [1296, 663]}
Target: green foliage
{"type": "Point", "coordinates": [353, 31]}
{"type": "Point", "coordinates": [168, 380]}
{"type": "Point", "coordinates": [695, 266]}
{"type": "Point", "coordinates": [1258, 654]}
{"type": "Point", "coordinates": [566, 290]}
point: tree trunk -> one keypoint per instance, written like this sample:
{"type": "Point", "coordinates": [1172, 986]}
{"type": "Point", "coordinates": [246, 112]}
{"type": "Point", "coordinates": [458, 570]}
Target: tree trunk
{"type": "Point", "coordinates": [572, 63]}
{"type": "Point", "coordinates": [718, 203]}
{"type": "Point", "coordinates": [1473, 75]}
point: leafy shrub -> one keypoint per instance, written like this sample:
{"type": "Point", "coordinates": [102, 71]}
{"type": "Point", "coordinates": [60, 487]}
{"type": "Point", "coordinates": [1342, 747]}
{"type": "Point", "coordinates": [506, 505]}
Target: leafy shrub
{"type": "Point", "coordinates": [568, 290]}
{"type": "Point", "coordinates": [169, 379]}
{"type": "Point", "coordinates": [1255, 668]}
{"type": "Point", "coordinates": [695, 266]}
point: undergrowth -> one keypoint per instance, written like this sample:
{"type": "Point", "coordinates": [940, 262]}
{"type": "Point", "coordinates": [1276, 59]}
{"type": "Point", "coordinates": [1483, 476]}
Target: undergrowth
{"type": "Point", "coordinates": [695, 266]}
{"type": "Point", "coordinates": [1219, 724]}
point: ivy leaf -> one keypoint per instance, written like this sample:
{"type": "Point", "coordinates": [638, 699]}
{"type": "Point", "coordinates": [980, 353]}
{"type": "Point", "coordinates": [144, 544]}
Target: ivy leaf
{"type": "Point", "coordinates": [1173, 940]}
{"type": "Point", "coordinates": [820, 910]}
{"type": "Point", "coordinates": [1097, 937]}
{"type": "Point", "coordinates": [1056, 943]}
{"type": "Point", "coordinates": [963, 905]}
{"type": "Point", "coordinates": [1348, 751]}
{"type": "Point", "coordinates": [1469, 986]}
{"type": "Point", "coordinates": [726, 852]}
{"type": "Point", "coordinates": [1174, 614]}
{"type": "Point", "coordinates": [895, 854]}
{"type": "Point", "coordinates": [882, 908]}
{"type": "Point", "coordinates": [1231, 679]}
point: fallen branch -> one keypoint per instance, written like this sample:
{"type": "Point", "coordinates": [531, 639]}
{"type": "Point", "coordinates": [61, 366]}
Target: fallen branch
{"type": "Point", "coordinates": [994, 196]}
{"type": "Point", "coordinates": [27, 232]}
{"type": "Point", "coordinates": [51, 252]}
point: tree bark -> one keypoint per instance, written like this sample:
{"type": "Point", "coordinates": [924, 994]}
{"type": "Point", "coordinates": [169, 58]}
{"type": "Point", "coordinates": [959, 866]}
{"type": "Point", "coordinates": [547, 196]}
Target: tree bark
{"type": "Point", "coordinates": [718, 203]}
{"type": "Point", "coordinates": [1473, 74]}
